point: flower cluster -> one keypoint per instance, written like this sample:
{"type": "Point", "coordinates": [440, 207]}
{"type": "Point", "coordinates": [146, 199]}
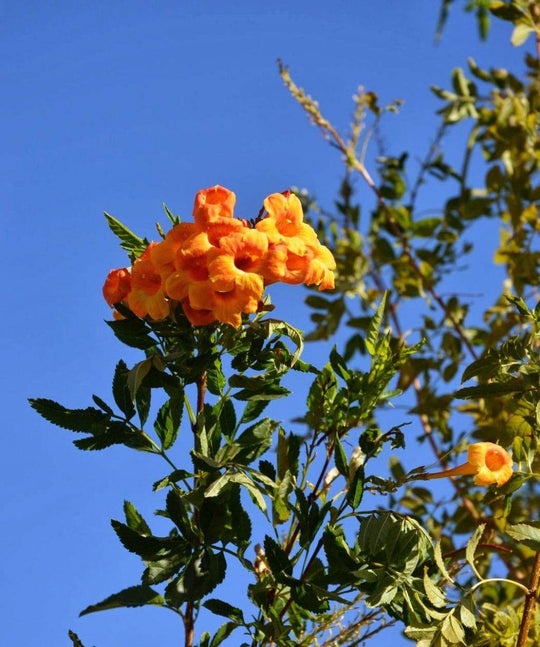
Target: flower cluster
{"type": "Point", "coordinates": [218, 266]}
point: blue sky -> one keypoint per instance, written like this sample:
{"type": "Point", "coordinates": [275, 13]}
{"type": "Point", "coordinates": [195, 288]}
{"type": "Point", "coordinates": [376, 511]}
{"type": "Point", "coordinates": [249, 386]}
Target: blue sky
{"type": "Point", "coordinates": [119, 106]}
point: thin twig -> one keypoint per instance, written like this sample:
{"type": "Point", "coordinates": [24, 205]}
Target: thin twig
{"type": "Point", "coordinates": [530, 602]}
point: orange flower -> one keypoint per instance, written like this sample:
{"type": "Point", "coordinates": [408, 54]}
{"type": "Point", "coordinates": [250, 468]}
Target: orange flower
{"type": "Point", "coordinates": [191, 265]}
{"type": "Point", "coordinates": [320, 271]}
{"type": "Point", "coordinates": [147, 296]}
{"type": "Point", "coordinates": [489, 462]}
{"type": "Point", "coordinates": [163, 254]}
{"type": "Point", "coordinates": [213, 213]}
{"type": "Point", "coordinates": [284, 223]}
{"type": "Point", "coordinates": [117, 286]}
{"type": "Point", "coordinates": [197, 317]}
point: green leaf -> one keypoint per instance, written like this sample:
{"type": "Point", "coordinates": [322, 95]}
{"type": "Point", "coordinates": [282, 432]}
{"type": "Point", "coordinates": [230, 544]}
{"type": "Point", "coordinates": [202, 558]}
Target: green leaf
{"type": "Point", "coordinates": [88, 420]}
{"type": "Point", "coordinates": [134, 596]}
{"type": "Point", "coordinates": [279, 563]}
{"type": "Point", "coordinates": [168, 419]}
{"type": "Point", "coordinates": [433, 593]}
{"type": "Point", "coordinates": [179, 514]}
{"type": "Point", "coordinates": [276, 327]}
{"type": "Point", "coordinates": [253, 410]}
{"type": "Point", "coordinates": [120, 390]}
{"type": "Point", "coordinates": [115, 433]}
{"type": "Point", "coordinates": [440, 561]}
{"type": "Point", "coordinates": [224, 609]}
{"type": "Point", "coordinates": [373, 330]}
{"type": "Point", "coordinates": [452, 629]}
{"type": "Point", "coordinates": [202, 574]}
{"type": "Point", "coordinates": [255, 440]}
{"type": "Point", "coordinates": [75, 639]}
{"type": "Point", "coordinates": [467, 612]}
{"type": "Point", "coordinates": [490, 390]}
{"type": "Point", "coordinates": [137, 374]}
{"type": "Point", "coordinates": [222, 633]}
{"type": "Point", "coordinates": [472, 545]}
{"type": "Point", "coordinates": [149, 548]}
{"type": "Point", "coordinates": [132, 332]}
{"type": "Point", "coordinates": [129, 241]}
{"type": "Point", "coordinates": [173, 477]}
{"type": "Point", "coordinates": [102, 405]}
{"type": "Point", "coordinates": [135, 520]}
{"type": "Point", "coordinates": [526, 533]}
{"type": "Point", "coordinates": [215, 488]}
{"type": "Point", "coordinates": [341, 459]}
{"type": "Point", "coordinates": [227, 418]}
{"type": "Point", "coordinates": [356, 488]}
{"type": "Point", "coordinates": [520, 34]}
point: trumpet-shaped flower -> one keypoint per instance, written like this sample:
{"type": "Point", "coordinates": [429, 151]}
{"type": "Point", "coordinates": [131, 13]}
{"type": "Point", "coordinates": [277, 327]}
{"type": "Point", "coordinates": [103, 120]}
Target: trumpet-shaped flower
{"type": "Point", "coordinates": [117, 286]}
{"type": "Point", "coordinates": [284, 223]}
{"type": "Point", "coordinates": [147, 296]}
{"type": "Point", "coordinates": [489, 463]}
{"type": "Point", "coordinates": [163, 254]}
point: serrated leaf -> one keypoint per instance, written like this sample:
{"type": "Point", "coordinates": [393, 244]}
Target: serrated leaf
{"type": "Point", "coordinates": [137, 374]}
{"type": "Point", "coordinates": [224, 609]}
{"type": "Point", "coordinates": [467, 611]}
{"type": "Point", "coordinates": [132, 332]}
{"type": "Point", "coordinates": [255, 440]}
{"type": "Point", "coordinates": [274, 326]}
{"type": "Point", "coordinates": [129, 241]}
{"type": "Point", "coordinates": [433, 593]}
{"type": "Point", "coordinates": [222, 633]}
{"type": "Point", "coordinates": [202, 574]}
{"type": "Point", "coordinates": [490, 390]}
{"type": "Point", "coordinates": [373, 330]}
{"type": "Point", "coordinates": [472, 545]}
{"type": "Point", "coordinates": [148, 547]}
{"type": "Point", "coordinates": [133, 596]}
{"type": "Point", "coordinates": [135, 520]}
{"type": "Point", "coordinates": [452, 629]}
{"type": "Point", "coordinates": [277, 558]}
{"type": "Point", "coordinates": [89, 420]}
{"type": "Point", "coordinates": [103, 405]}
{"type": "Point", "coordinates": [215, 488]}
{"type": "Point", "coordinates": [168, 420]}
{"type": "Point", "coordinates": [440, 561]}
{"type": "Point", "coordinates": [120, 390]}
{"type": "Point", "coordinates": [356, 488]}
{"type": "Point", "coordinates": [340, 458]}
{"type": "Point", "coordinates": [528, 534]}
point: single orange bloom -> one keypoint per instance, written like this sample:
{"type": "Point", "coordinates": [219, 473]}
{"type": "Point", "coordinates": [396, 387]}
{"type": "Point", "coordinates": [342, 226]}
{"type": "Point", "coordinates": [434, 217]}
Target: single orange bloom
{"type": "Point", "coordinates": [197, 317]}
{"type": "Point", "coordinates": [191, 265]}
{"type": "Point", "coordinates": [489, 462]}
{"type": "Point", "coordinates": [284, 223]}
{"type": "Point", "coordinates": [147, 296]}
{"type": "Point", "coordinates": [164, 253]}
{"type": "Point", "coordinates": [213, 212]}
{"type": "Point", "coordinates": [117, 286]}
{"type": "Point", "coordinates": [321, 266]}
{"type": "Point", "coordinates": [228, 305]}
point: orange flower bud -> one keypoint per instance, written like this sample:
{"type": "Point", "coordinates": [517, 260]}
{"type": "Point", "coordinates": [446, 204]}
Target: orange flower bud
{"type": "Point", "coordinates": [117, 286]}
{"type": "Point", "coordinates": [489, 463]}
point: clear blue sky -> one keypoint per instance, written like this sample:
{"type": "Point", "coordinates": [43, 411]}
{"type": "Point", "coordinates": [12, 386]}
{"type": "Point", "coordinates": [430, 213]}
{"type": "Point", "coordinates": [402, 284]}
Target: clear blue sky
{"type": "Point", "coordinates": [119, 106]}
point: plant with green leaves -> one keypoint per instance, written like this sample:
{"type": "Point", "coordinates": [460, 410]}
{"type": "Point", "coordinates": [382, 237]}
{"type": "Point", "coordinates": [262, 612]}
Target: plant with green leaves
{"type": "Point", "coordinates": [334, 545]}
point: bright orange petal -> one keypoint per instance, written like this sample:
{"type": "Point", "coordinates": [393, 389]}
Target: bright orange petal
{"type": "Point", "coordinates": [117, 285]}
{"type": "Point", "coordinates": [197, 317]}
{"type": "Point", "coordinates": [212, 203]}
